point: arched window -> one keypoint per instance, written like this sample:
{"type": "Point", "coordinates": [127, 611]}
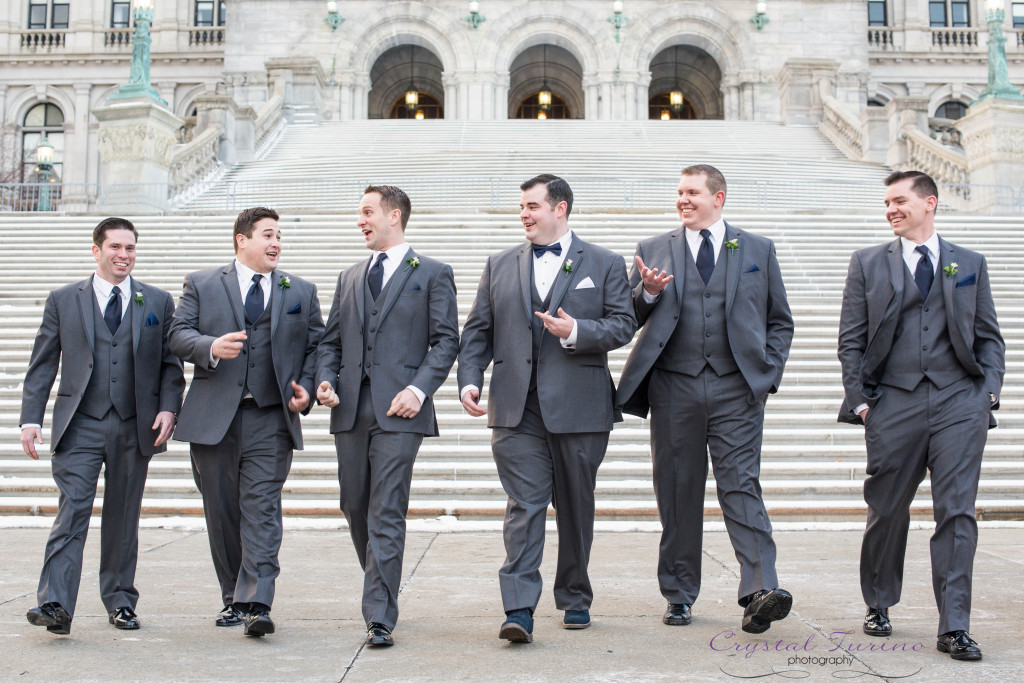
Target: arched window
{"type": "Point", "coordinates": [529, 108]}
{"type": "Point", "coordinates": [43, 120]}
{"type": "Point", "coordinates": [952, 110]}
{"type": "Point", "coordinates": [428, 106]}
{"type": "Point", "coordinates": [660, 107]}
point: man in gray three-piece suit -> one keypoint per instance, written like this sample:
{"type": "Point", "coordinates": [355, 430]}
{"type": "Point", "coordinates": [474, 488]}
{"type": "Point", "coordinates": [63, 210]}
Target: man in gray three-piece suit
{"type": "Point", "coordinates": [120, 388]}
{"type": "Point", "coordinates": [251, 332]}
{"type": "Point", "coordinates": [551, 401]}
{"type": "Point", "coordinates": [715, 334]}
{"type": "Point", "coordinates": [923, 364]}
{"type": "Point", "coordinates": [392, 336]}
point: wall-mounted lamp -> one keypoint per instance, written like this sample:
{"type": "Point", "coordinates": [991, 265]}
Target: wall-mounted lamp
{"type": "Point", "coordinates": [617, 19]}
{"type": "Point", "coordinates": [475, 18]}
{"type": "Point", "coordinates": [760, 17]}
{"type": "Point", "coordinates": [333, 19]}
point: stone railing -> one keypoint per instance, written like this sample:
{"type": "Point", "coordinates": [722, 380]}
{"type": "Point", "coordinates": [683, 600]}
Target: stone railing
{"type": "Point", "coordinates": [955, 38]}
{"type": "Point", "coordinates": [268, 122]}
{"type": "Point", "coordinates": [206, 35]}
{"type": "Point", "coordinates": [944, 131]}
{"type": "Point", "coordinates": [195, 161]}
{"type": "Point", "coordinates": [943, 164]}
{"type": "Point", "coordinates": [118, 38]}
{"type": "Point", "coordinates": [42, 39]}
{"type": "Point", "coordinates": [842, 128]}
{"type": "Point", "coordinates": [880, 38]}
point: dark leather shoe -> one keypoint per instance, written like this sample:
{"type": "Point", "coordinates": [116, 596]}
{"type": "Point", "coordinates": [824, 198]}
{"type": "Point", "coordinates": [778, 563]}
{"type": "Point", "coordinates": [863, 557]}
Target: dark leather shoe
{"type": "Point", "coordinates": [230, 616]}
{"type": "Point", "coordinates": [677, 615]}
{"type": "Point", "coordinates": [518, 626]}
{"type": "Point", "coordinates": [379, 635]}
{"type": "Point", "coordinates": [876, 622]}
{"type": "Point", "coordinates": [959, 646]}
{"type": "Point", "coordinates": [576, 619]}
{"type": "Point", "coordinates": [257, 621]}
{"type": "Point", "coordinates": [124, 618]}
{"type": "Point", "coordinates": [51, 615]}
{"type": "Point", "coordinates": [766, 606]}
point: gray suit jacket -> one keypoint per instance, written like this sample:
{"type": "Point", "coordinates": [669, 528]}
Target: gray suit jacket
{"type": "Point", "coordinates": [574, 387]}
{"type": "Point", "coordinates": [758, 320]}
{"type": "Point", "coordinates": [210, 307]}
{"type": "Point", "coordinates": [416, 342]}
{"type": "Point", "coordinates": [871, 307]}
{"type": "Point", "coordinates": [68, 329]}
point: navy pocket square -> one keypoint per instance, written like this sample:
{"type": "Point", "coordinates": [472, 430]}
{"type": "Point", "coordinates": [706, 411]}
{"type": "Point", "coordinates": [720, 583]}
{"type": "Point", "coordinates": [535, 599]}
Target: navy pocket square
{"type": "Point", "coordinates": [297, 308]}
{"type": "Point", "coordinates": [752, 269]}
{"type": "Point", "coordinates": [152, 320]}
{"type": "Point", "coordinates": [971, 279]}
{"type": "Point", "coordinates": [416, 288]}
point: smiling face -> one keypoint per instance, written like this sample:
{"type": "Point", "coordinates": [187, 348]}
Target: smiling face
{"type": "Point", "coordinates": [262, 250]}
{"type": "Point", "coordinates": [116, 257]}
{"type": "Point", "coordinates": [698, 208]}
{"type": "Point", "coordinates": [910, 215]}
{"type": "Point", "coordinates": [382, 229]}
{"type": "Point", "coordinates": [544, 224]}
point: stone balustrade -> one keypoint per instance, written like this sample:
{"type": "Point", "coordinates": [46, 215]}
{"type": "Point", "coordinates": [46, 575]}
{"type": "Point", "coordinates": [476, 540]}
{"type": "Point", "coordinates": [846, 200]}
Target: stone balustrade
{"type": "Point", "coordinates": [34, 40]}
{"type": "Point", "coordinates": [842, 128]}
{"type": "Point", "coordinates": [268, 121]}
{"type": "Point", "coordinates": [195, 161]}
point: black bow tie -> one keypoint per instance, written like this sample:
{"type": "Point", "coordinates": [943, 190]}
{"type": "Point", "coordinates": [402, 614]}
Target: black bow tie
{"type": "Point", "coordinates": [555, 249]}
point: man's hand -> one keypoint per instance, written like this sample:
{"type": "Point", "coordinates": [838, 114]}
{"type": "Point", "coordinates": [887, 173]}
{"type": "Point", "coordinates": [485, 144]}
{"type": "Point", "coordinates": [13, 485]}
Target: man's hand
{"type": "Point", "coordinates": [469, 403]}
{"type": "Point", "coordinates": [325, 394]}
{"type": "Point", "coordinates": [30, 436]}
{"type": "Point", "coordinates": [654, 281]}
{"type": "Point", "coordinates": [561, 326]}
{"type": "Point", "coordinates": [165, 423]}
{"type": "Point", "coordinates": [228, 346]}
{"type": "Point", "coordinates": [404, 404]}
{"type": "Point", "coordinates": [864, 415]}
{"type": "Point", "coordinates": [300, 400]}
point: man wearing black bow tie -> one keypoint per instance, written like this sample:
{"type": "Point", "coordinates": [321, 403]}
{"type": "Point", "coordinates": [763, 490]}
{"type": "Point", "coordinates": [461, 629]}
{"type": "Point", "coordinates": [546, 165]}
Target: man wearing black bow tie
{"type": "Point", "coordinates": [120, 388]}
{"type": "Point", "coordinates": [923, 364]}
{"type": "Point", "coordinates": [715, 334]}
{"type": "Point", "coordinates": [546, 313]}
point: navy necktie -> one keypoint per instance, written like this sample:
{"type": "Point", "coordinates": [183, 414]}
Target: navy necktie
{"type": "Point", "coordinates": [706, 257]}
{"type": "Point", "coordinates": [376, 276]}
{"type": "Point", "coordinates": [925, 274]}
{"type": "Point", "coordinates": [555, 249]}
{"type": "Point", "coordinates": [112, 314]}
{"type": "Point", "coordinates": [254, 300]}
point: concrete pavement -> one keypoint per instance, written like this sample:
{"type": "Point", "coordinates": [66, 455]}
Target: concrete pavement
{"type": "Point", "coordinates": [451, 613]}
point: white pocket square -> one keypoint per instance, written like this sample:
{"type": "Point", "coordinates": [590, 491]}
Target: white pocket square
{"type": "Point", "coordinates": [586, 284]}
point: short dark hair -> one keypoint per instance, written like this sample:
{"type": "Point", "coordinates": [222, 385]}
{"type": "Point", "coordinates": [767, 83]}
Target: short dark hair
{"type": "Point", "coordinates": [392, 198]}
{"type": "Point", "coordinates": [922, 183]}
{"type": "Point", "coordinates": [248, 219]}
{"type": "Point", "coordinates": [558, 190]}
{"type": "Point", "coordinates": [715, 179]}
{"type": "Point", "coordinates": [99, 233]}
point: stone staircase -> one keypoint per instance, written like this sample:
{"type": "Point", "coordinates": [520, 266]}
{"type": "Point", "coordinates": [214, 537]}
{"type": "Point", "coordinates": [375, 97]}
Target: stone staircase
{"type": "Point", "coordinates": [812, 467]}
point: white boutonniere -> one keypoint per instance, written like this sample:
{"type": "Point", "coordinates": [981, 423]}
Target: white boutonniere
{"type": "Point", "coordinates": [285, 282]}
{"type": "Point", "coordinates": [732, 245]}
{"type": "Point", "coordinates": [567, 266]}
{"type": "Point", "coordinates": [411, 262]}
{"type": "Point", "coordinates": [138, 299]}
{"type": "Point", "coordinates": [951, 270]}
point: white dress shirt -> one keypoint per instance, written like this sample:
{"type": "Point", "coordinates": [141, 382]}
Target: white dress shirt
{"type": "Point", "coordinates": [102, 289]}
{"type": "Point", "coordinates": [911, 256]}
{"type": "Point", "coordinates": [694, 239]}
{"type": "Point", "coordinates": [396, 257]}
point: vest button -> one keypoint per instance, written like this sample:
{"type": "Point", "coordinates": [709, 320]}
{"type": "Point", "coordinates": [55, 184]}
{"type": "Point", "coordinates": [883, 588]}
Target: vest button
{"type": "Point", "coordinates": [708, 314]}
{"type": "Point", "coordinates": [707, 334]}
{"type": "Point", "coordinates": [114, 344]}
{"type": "Point", "coordinates": [113, 362]}
{"type": "Point", "coordinates": [375, 311]}
{"type": "Point", "coordinates": [374, 329]}
{"type": "Point", "coordinates": [707, 354]}
{"type": "Point", "coordinates": [529, 361]}
{"type": "Point", "coordinates": [924, 348]}
{"type": "Point", "coordinates": [239, 382]}
{"type": "Point", "coordinates": [707, 295]}
{"type": "Point", "coordinates": [367, 366]}
{"type": "Point", "coordinates": [369, 348]}
{"type": "Point", "coordinates": [925, 328]}
{"type": "Point", "coordinates": [252, 365]}
{"type": "Point", "coordinates": [661, 344]}
{"type": "Point", "coordinates": [925, 309]}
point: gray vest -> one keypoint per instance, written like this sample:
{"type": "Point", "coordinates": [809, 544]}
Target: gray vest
{"type": "Point", "coordinates": [701, 337]}
{"type": "Point", "coordinates": [537, 327]}
{"type": "Point", "coordinates": [260, 377]}
{"type": "Point", "coordinates": [921, 347]}
{"type": "Point", "coordinates": [112, 382]}
{"type": "Point", "coordinates": [371, 321]}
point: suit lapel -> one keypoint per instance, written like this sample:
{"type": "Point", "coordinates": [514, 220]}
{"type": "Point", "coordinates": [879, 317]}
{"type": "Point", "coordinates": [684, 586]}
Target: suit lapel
{"type": "Point", "coordinates": [136, 288]}
{"type": "Point", "coordinates": [679, 262]}
{"type": "Point", "coordinates": [562, 282]}
{"type": "Point", "coordinates": [397, 283]}
{"type": "Point", "coordinates": [733, 265]}
{"type": "Point", "coordinates": [947, 255]}
{"type": "Point", "coordinates": [358, 289]}
{"type": "Point", "coordinates": [277, 298]}
{"type": "Point", "coordinates": [229, 278]}
{"type": "Point", "coordinates": [86, 301]}
{"type": "Point", "coordinates": [896, 268]}
{"type": "Point", "coordinates": [526, 278]}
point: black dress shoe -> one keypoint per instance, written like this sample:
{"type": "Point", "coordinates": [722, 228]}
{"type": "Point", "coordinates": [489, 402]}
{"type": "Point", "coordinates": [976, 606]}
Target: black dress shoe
{"type": "Point", "coordinates": [229, 616]}
{"type": "Point", "coordinates": [677, 614]}
{"type": "Point", "coordinates": [124, 618]}
{"type": "Point", "coordinates": [379, 635]}
{"type": "Point", "coordinates": [876, 622]}
{"type": "Point", "coordinates": [766, 606]}
{"type": "Point", "coordinates": [51, 615]}
{"type": "Point", "coordinates": [257, 621]}
{"type": "Point", "coordinates": [959, 646]}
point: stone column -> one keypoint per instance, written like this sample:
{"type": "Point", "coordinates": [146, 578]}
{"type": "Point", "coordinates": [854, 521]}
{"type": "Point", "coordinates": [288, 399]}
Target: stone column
{"type": "Point", "coordinates": [992, 133]}
{"type": "Point", "coordinates": [136, 138]}
{"type": "Point", "coordinates": [76, 145]}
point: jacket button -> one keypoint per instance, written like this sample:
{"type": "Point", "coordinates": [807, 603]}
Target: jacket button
{"type": "Point", "coordinates": [369, 348]}
{"type": "Point", "coordinates": [114, 344]}
{"type": "Point", "coordinates": [661, 344]}
{"type": "Point", "coordinates": [239, 382]}
{"type": "Point", "coordinates": [374, 329]}
{"type": "Point", "coordinates": [529, 361]}
{"type": "Point", "coordinates": [252, 365]}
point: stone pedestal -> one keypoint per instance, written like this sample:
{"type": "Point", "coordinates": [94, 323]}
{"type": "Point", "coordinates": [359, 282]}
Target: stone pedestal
{"type": "Point", "coordinates": [300, 81]}
{"type": "Point", "coordinates": [992, 134]}
{"type": "Point", "coordinates": [904, 111]}
{"type": "Point", "coordinates": [800, 83]}
{"type": "Point", "coordinates": [135, 138]}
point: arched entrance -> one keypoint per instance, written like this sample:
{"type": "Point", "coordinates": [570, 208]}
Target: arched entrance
{"type": "Point", "coordinates": [547, 66]}
{"type": "Point", "coordinates": [686, 83]}
{"type": "Point", "coordinates": [398, 70]}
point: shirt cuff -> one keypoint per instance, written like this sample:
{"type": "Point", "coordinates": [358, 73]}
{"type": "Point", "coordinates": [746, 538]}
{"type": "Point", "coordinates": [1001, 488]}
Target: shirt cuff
{"type": "Point", "coordinates": [570, 341]}
{"type": "Point", "coordinates": [419, 394]}
{"type": "Point", "coordinates": [861, 408]}
{"type": "Point", "coordinates": [31, 424]}
{"type": "Point", "coordinates": [466, 389]}
{"type": "Point", "coordinates": [650, 298]}
{"type": "Point", "coordinates": [213, 361]}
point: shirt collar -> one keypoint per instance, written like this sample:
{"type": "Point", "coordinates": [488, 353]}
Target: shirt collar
{"type": "Point", "coordinates": [932, 243]}
{"type": "Point", "coordinates": [395, 253]}
{"type": "Point", "coordinates": [717, 230]}
{"type": "Point", "coordinates": [104, 288]}
{"type": "Point", "coordinates": [245, 273]}
{"type": "Point", "coordinates": [565, 241]}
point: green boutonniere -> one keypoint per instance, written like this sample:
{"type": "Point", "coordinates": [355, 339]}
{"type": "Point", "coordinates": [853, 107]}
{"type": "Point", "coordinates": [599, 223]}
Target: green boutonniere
{"type": "Point", "coordinates": [732, 245]}
{"type": "Point", "coordinates": [285, 282]}
{"type": "Point", "coordinates": [951, 270]}
{"type": "Point", "coordinates": [412, 262]}
{"type": "Point", "coordinates": [138, 299]}
{"type": "Point", "coordinates": [567, 266]}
